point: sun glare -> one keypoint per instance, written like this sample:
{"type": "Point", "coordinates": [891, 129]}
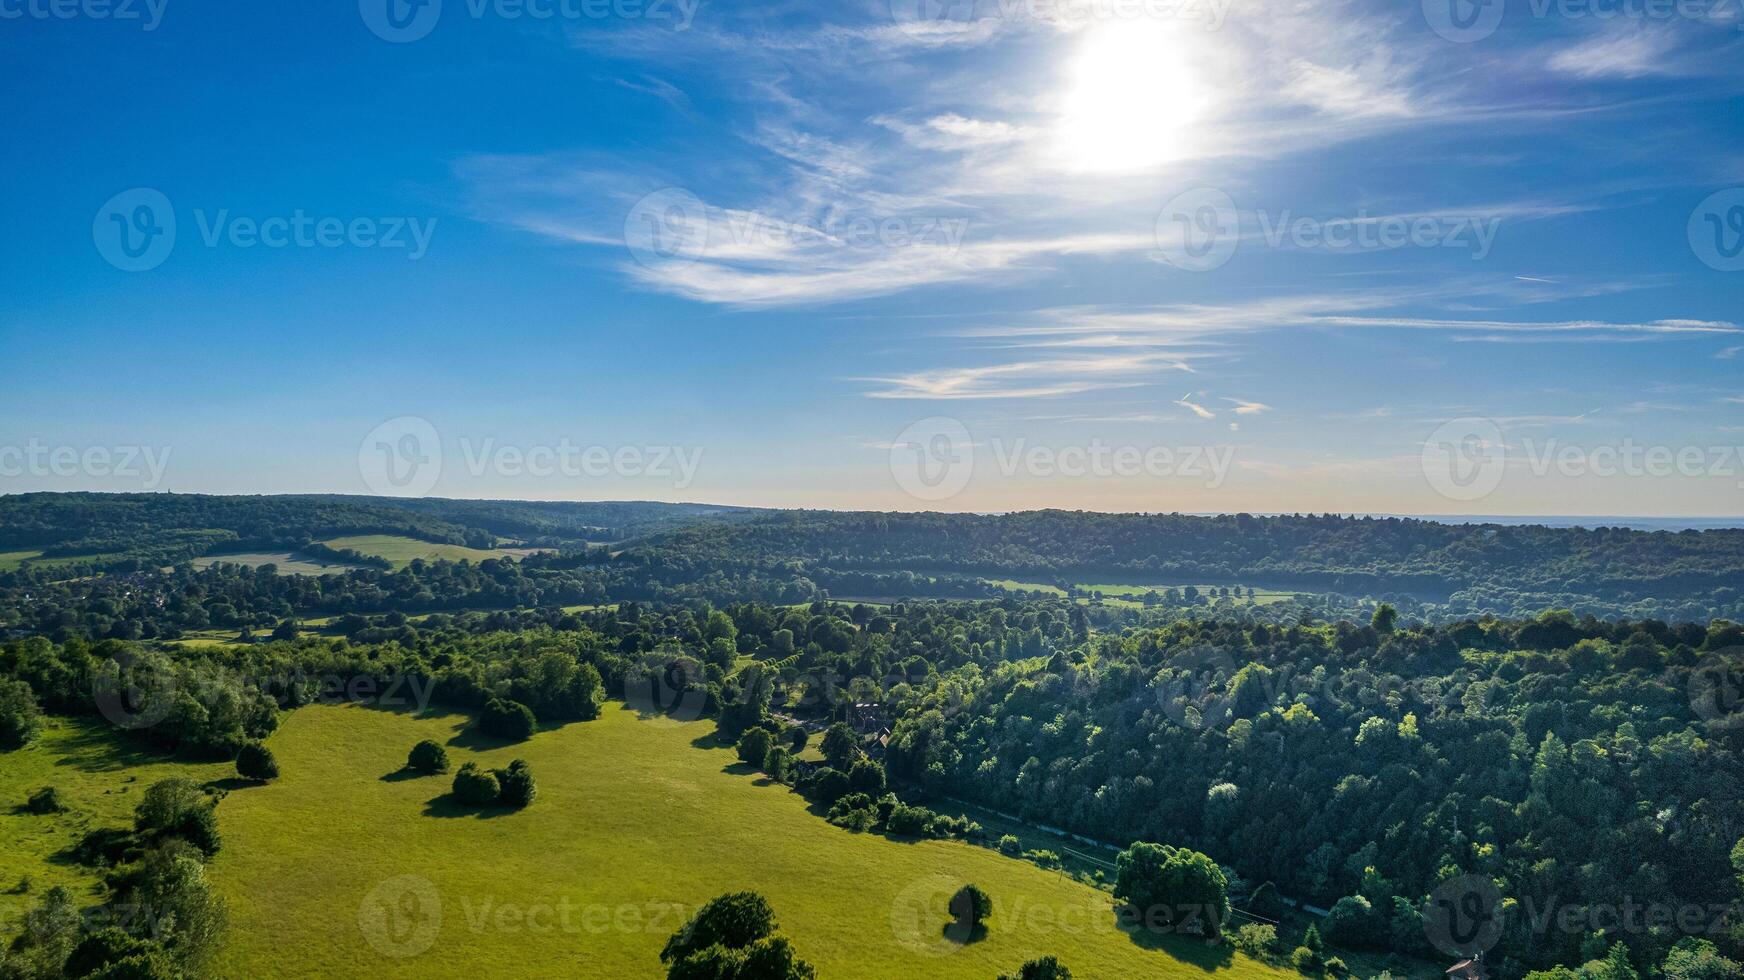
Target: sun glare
{"type": "Point", "coordinates": [1132, 98]}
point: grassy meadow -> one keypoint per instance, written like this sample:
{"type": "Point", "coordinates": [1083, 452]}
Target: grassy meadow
{"type": "Point", "coordinates": [402, 551]}
{"type": "Point", "coordinates": [288, 562]}
{"type": "Point", "coordinates": [100, 778]}
{"type": "Point", "coordinates": [1120, 594]}
{"type": "Point", "coordinates": [346, 867]}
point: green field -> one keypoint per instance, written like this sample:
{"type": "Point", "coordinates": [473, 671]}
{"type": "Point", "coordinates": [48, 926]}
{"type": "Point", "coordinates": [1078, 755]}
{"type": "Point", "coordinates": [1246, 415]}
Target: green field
{"type": "Point", "coordinates": [11, 561]}
{"type": "Point", "coordinates": [289, 563]}
{"type": "Point", "coordinates": [1131, 595]}
{"type": "Point", "coordinates": [402, 551]}
{"type": "Point", "coordinates": [344, 868]}
{"type": "Point", "coordinates": [101, 779]}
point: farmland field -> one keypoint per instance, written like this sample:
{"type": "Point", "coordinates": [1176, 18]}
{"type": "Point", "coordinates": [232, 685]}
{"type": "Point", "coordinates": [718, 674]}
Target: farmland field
{"type": "Point", "coordinates": [1132, 595]}
{"type": "Point", "coordinates": [12, 560]}
{"type": "Point", "coordinates": [402, 551]}
{"type": "Point", "coordinates": [289, 563]}
{"type": "Point", "coordinates": [343, 862]}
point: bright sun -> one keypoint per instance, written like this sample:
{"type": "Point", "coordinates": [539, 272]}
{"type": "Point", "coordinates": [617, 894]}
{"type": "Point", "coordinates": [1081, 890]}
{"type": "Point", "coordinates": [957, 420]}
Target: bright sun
{"type": "Point", "coordinates": [1131, 98]}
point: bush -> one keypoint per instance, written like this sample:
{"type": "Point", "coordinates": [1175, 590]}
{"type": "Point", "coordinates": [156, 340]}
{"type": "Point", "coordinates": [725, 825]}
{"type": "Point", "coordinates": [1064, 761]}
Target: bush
{"type": "Point", "coordinates": [427, 757]}
{"type": "Point", "coordinates": [508, 720]}
{"type": "Point", "coordinates": [827, 785]}
{"type": "Point", "coordinates": [1172, 887]}
{"type": "Point", "coordinates": [866, 776]}
{"type": "Point", "coordinates": [515, 786]}
{"type": "Point", "coordinates": [46, 800]}
{"type": "Point", "coordinates": [256, 762]}
{"type": "Point", "coordinates": [1257, 941]}
{"type": "Point", "coordinates": [855, 811]}
{"type": "Point", "coordinates": [1335, 966]}
{"type": "Point", "coordinates": [474, 786]}
{"type": "Point", "coordinates": [1010, 846]}
{"type": "Point", "coordinates": [909, 821]}
{"type": "Point", "coordinates": [1305, 959]}
{"type": "Point", "coordinates": [1265, 902]}
{"type": "Point", "coordinates": [1353, 923]}
{"type": "Point", "coordinates": [732, 937]}
{"type": "Point", "coordinates": [178, 808]}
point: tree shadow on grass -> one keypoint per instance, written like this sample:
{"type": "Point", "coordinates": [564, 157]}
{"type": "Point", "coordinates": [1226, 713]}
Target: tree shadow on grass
{"type": "Point", "coordinates": [95, 747]}
{"type": "Point", "coordinates": [229, 783]}
{"type": "Point", "coordinates": [472, 737]}
{"type": "Point", "coordinates": [1197, 950]}
{"type": "Point", "coordinates": [711, 740]}
{"type": "Point", "coordinates": [964, 934]}
{"type": "Point", "coordinates": [448, 807]}
{"type": "Point", "coordinates": [403, 774]}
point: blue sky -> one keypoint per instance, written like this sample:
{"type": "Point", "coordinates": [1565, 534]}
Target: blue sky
{"type": "Point", "coordinates": [1142, 255]}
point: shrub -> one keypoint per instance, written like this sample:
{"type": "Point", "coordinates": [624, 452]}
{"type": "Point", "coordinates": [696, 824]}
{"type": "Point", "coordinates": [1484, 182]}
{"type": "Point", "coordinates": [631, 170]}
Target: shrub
{"type": "Point", "coordinates": [474, 786]}
{"type": "Point", "coordinates": [508, 720]}
{"type": "Point", "coordinates": [1335, 966]}
{"type": "Point", "coordinates": [1355, 924]}
{"type": "Point", "coordinates": [1174, 887]}
{"type": "Point", "coordinates": [1009, 845]}
{"type": "Point", "coordinates": [1305, 959]}
{"type": "Point", "coordinates": [102, 948]}
{"type": "Point", "coordinates": [515, 786]}
{"type": "Point", "coordinates": [1265, 903]}
{"type": "Point", "coordinates": [256, 762]}
{"type": "Point", "coordinates": [46, 800]}
{"type": "Point", "coordinates": [840, 747]}
{"type": "Point", "coordinates": [732, 937]}
{"type": "Point", "coordinates": [909, 821]}
{"type": "Point", "coordinates": [1257, 941]}
{"type": "Point", "coordinates": [427, 757]}
{"type": "Point", "coordinates": [178, 808]}
{"type": "Point", "coordinates": [797, 737]}
{"type": "Point", "coordinates": [855, 811]}
{"type": "Point", "coordinates": [827, 785]}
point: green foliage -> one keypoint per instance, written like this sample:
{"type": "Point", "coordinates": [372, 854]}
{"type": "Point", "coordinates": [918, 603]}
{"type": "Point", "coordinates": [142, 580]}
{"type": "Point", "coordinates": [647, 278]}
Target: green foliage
{"type": "Point", "coordinates": [1355, 924]}
{"type": "Point", "coordinates": [866, 776]}
{"type": "Point", "coordinates": [428, 756]}
{"type": "Point", "coordinates": [1010, 846]}
{"type": "Point", "coordinates": [516, 788]}
{"type": "Point", "coordinates": [754, 746]}
{"type": "Point", "coordinates": [1699, 959]}
{"type": "Point", "coordinates": [971, 905]}
{"type": "Point", "coordinates": [1305, 959]}
{"type": "Point", "coordinates": [45, 801]}
{"type": "Point", "coordinates": [18, 713]}
{"type": "Point", "coordinates": [1044, 968]}
{"type": "Point", "coordinates": [507, 720]}
{"type": "Point", "coordinates": [1172, 888]}
{"type": "Point", "coordinates": [178, 808]}
{"type": "Point", "coordinates": [732, 937]}
{"type": "Point", "coordinates": [840, 746]}
{"type": "Point", "coordinates": [474, 786]}
{"type": "Point", "coordinates": [1257, 940]}
{"type": "Point", "coordinates": [255, 761]}
{"type": "Point", "coordinates": [1265, 902]}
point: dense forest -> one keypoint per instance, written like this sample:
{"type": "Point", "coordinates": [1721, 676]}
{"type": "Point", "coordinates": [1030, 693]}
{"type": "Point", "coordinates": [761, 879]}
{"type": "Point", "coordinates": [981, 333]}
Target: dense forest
{"type": "Point", "coordinates": [678, 552]}
{"type": "Point", "coordinates": [1580, 767]}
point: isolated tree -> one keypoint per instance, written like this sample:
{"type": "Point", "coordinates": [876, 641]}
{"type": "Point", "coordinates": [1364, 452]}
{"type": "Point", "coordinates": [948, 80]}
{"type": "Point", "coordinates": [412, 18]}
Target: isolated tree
{"type": "Point", "coordinates": [255, 761]}
{"type": "Point", "coordinates": [474, 786]}
{"type": "Point", "coordinates": [1045, 968]}
{"type": "Point", "coordinates": [427, 757]}
{"type": "Point", "coordinates": [285, 630]}
{"type": "Point", "coordinates": [797, 737]}
{"type": "Point", "coordinates": [733, 937]}
{"type": "Point", "coordinates": [970, 906]}
{"type": "Point", "coordinates": [508, 720]}
{"type": "Point", "coordinates": [178, 807]}
{"type": "Point", "coordinates": [515, 786]}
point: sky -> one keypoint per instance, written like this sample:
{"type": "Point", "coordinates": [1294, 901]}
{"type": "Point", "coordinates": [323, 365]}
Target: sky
{"type": "Point", "coordinates": [1162, 255]}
